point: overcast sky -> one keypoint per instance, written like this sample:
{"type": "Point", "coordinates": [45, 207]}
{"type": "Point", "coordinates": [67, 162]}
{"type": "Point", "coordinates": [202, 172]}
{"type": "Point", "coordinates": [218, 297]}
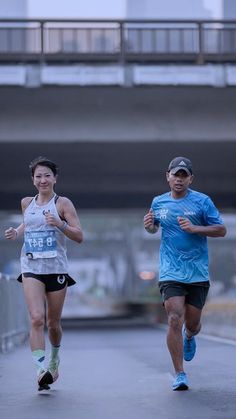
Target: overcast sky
{"type": "Point", "coordinates": [215, 6]}
{"type": "Point", "coordinates": [96, 8]}
{"type": "Point", "coordinates": [77, 8]}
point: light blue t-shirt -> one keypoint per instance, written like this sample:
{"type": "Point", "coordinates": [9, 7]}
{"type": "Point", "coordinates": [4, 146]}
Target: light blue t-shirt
{"type": "Point", "coordinates": [184, 256]}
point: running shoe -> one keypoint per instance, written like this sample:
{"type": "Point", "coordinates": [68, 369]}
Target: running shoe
{"type": "Point", "coordinates": [45, 378]}
{"type": "Point", "coordinates": [189, 347]}
{"type": "Point", "coordinates": [44, 387]}
{"type": "Point", "coordinates": [180, 382]}
{"type": "Point", "coordinates": [53, 368]}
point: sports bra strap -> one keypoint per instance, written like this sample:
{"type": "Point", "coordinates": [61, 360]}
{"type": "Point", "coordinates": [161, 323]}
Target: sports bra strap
{"type": "Point", "coordinates": [56, 198]}
{"type": "Point", "coordinates": [30, 202]}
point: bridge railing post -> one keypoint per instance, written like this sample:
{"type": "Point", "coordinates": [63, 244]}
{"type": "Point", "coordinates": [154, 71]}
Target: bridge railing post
{"type": "Point", "coordinates": [122, 43]}
{"type": "Point", "coordinates": [200, 57]}
{"type": "Point", "coordinates": [42, 49]}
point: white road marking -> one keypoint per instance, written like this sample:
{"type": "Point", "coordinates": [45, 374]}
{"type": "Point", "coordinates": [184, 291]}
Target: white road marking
{"type": "Point", "coordinates": [218, 339]}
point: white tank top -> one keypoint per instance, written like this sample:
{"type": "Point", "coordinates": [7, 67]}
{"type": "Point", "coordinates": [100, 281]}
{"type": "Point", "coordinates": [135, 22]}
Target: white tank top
{"type": "Point", "coordinates": [44, 248]}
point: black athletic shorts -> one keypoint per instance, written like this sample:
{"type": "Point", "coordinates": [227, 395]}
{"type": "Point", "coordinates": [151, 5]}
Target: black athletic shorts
{"type": "Point", "coordinates": [195, 293]}
{"type": "Point", "coordinates": [52, 282]}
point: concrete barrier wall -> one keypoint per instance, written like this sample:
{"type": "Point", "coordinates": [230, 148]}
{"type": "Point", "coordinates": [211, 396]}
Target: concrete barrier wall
{"type": "Point", "coordinates": [14, 323]}
{"type": "Point", "coordinates": [65, 114]}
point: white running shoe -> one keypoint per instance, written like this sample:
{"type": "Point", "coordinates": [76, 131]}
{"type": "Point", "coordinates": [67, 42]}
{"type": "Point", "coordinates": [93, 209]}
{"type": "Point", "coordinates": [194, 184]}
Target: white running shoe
{"type": "Point", "coordinates": [53, 368]}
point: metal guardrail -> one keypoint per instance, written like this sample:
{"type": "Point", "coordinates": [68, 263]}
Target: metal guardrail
{"type": "Point", "coordinates": [186, 41]}
{"type": "Point", "coordinates": [14, 323]}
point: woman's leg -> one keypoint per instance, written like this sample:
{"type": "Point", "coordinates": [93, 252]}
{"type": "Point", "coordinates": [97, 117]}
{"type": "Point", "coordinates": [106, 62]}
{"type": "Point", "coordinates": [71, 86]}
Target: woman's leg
{"type": "Point", "coordinates": [55, 301]}
{"type": "Point", "coordinates": [34, 292]}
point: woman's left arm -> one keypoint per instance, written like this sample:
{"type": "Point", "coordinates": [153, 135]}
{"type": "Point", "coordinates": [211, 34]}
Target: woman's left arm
{"type": "Point", "coordinates": [69, 223]}
{"type": "Point", "coordinates": [71, 227]}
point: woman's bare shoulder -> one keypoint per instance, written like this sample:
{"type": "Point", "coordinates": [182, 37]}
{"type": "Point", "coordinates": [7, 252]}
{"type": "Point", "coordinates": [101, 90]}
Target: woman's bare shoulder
{"type": "Point", "coordinates": [26, 201]}
{"type": "Point", "coordinates": [63, 200]}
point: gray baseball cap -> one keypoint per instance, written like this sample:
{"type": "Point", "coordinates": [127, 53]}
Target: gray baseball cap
{"type": "Point", "coordinates": [180, 163]}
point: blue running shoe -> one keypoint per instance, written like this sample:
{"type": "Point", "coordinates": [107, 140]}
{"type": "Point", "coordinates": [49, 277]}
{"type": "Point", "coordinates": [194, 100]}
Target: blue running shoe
{"type": "Point", "coordinates": [181, 382]}
{"type": "Point", "coordinates": [189, 347]}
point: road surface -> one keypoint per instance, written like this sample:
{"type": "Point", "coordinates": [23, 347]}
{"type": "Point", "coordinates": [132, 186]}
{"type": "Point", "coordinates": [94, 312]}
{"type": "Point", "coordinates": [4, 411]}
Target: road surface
{"type": "Point", "coordinates": [119, 372]}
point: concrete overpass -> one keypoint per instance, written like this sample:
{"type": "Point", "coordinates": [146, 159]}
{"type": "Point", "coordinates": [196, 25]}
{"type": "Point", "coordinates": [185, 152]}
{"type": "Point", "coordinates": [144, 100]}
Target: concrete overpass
{"type": "Point", "coordinates": [113, 102]}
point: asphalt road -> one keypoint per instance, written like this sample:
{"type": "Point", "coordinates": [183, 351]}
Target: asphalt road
{"type": "Point", "coordinates": [121, 372]}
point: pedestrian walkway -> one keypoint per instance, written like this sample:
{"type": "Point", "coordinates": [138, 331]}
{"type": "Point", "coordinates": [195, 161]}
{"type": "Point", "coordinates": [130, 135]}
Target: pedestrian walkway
{"type": "Point", "coordinates": [120, 373]}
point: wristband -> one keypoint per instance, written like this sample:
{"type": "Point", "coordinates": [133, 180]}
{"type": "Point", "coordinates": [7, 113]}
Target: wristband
{"type": "Point", "coordinates": [64, 226]}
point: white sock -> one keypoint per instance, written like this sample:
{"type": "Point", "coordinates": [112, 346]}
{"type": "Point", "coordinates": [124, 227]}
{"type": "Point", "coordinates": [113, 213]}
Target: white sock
{"type": "Point", "coordinates": [54, 352]}
{"type": "Point", "coordinates": [39, 360]}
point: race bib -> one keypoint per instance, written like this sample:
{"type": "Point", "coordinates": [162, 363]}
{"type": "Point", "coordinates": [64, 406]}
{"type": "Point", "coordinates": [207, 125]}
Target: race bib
{"type": "Point", "coordinates": [40, 244]}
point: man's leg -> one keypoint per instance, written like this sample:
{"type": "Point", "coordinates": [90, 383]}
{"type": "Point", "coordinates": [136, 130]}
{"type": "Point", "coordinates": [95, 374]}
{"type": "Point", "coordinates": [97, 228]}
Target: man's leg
{"type": "Point", "coordinates": [175, 309]}
{"type": "Point", "coordinates": [192, 328]}
{"type": "Point", "coordinates": [195, 301]}
{"type": "Point", "coordinates": [192, 320]}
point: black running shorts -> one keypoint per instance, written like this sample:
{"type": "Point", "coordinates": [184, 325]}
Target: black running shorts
{"type": "Point", "coordinates": [52, 282]}
{"type": "Point", "coordinates": [195, 293]}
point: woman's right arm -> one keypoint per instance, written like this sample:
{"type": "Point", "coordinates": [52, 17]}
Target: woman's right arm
{"type": "Point", "coordinates": [12, 233]}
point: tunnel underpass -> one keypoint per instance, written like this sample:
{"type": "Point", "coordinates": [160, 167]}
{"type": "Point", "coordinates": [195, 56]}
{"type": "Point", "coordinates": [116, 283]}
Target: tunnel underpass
{"type": "Point", "coordinates": [118, 174]}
